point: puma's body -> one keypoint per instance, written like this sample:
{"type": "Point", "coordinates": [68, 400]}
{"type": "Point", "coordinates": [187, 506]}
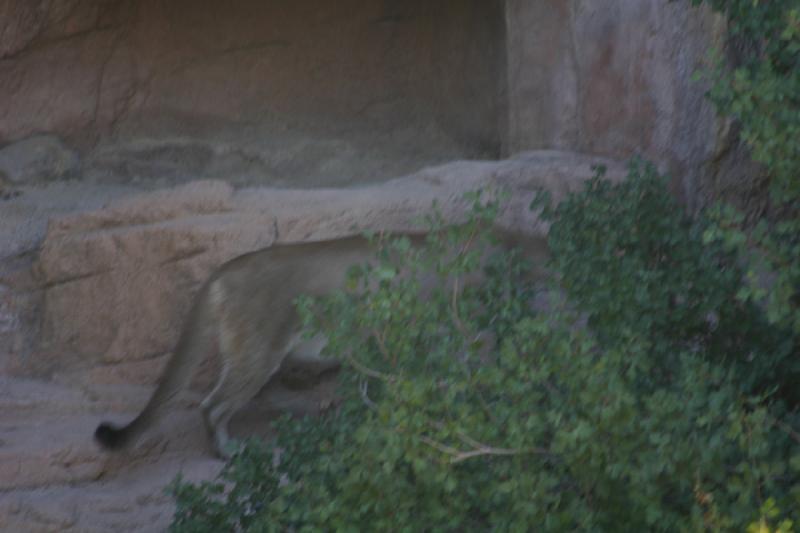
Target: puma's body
{"type": "Point", "coordinates": [246, 310]}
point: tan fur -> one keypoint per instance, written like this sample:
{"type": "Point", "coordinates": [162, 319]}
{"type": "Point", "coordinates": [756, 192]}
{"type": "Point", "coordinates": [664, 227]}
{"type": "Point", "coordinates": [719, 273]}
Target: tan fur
{"type": "Point", "coordinates": [247, 308]}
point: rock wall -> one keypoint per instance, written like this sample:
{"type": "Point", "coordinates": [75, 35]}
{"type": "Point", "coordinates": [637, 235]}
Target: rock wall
{"type": "Point", "coordinates": [458, 78]}
{"type": "Point", "coordinates": [88, 69]}
{"type": "Point", "coordinates": [613, 78]}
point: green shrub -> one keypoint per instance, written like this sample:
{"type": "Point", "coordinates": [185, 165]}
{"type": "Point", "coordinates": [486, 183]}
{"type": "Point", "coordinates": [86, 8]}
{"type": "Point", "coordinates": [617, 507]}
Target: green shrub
{"type": "Point", "coordinates": [635, 264]}
{"type": "Point", "coordinates": [468, 410]}
{"type": "Point", "coordinates": [763, 95]}
{"type": "Point", "coordinates": [763, 91]}
{"type": "Point", "coordinates": [640, 270]}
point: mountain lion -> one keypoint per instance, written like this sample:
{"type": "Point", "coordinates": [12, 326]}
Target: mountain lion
{"type": "Point", "coordinates": [246, 310]}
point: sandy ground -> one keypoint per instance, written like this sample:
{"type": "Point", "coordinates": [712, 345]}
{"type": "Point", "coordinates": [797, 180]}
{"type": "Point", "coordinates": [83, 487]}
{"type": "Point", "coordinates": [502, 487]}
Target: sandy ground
{"type": "Point", "coordinates": [53, 478]}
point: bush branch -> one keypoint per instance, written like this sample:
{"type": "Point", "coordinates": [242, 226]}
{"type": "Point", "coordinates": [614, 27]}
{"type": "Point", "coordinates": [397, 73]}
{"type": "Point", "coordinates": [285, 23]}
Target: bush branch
{"type": "Point", "coordinates": [358, 365]}
{"type": "Point", "coordinates": [382, 346]}
{"type": "Point", "coordinates": [478, 449]}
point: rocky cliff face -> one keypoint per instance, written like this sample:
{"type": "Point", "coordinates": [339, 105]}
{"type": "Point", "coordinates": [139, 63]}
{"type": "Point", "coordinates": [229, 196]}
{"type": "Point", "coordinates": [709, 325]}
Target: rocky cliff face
{"type": "Point", "coordinates": [337, 92]}
{"type": "Point", "coordinates": [281, 82]}
{"type": "Point", "coordinates": [613, 78]}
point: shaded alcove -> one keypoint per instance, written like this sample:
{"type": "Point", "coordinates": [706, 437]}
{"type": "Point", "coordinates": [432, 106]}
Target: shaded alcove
{"type": "Point", "coordinates": [295, 93]}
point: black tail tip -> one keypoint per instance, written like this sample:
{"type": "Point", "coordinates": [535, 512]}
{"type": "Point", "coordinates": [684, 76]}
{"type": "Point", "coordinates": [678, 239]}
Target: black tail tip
{"type": "Point", "coordinates": [109, 436]}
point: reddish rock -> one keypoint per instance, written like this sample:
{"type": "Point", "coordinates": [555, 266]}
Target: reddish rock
{"type": "Point", "coordinates": [614, 78]}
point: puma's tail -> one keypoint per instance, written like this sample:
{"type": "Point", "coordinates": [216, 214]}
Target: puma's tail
{"type": "Point", "coordinates": [195, 340]}
{"type": "Point", "coordinates": [112, 437]}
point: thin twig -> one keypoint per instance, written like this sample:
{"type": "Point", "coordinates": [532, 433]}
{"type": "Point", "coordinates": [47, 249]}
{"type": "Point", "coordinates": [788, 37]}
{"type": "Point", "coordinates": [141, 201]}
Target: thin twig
{"type": "Point", "coordinates": [454, 310]}
{"type": "Point", "coordinates": [485, 406]}
{"type": "Point", "coordinates": [469, 440]}
{"type": "Point", "coordinates": [382, 346]}
{"type": "Point", "coordinates": [363, 387]}
{"type": "Point", "coordinates": [368, 371]}
{"type": "Point", "coordinates": [479, 449]}
{"type": "Point", "coordinates": [463, 456]}
{"type": "Point", "coordinates": [468, 244]}
{"type": "Point", "coordinates": [439, 446]}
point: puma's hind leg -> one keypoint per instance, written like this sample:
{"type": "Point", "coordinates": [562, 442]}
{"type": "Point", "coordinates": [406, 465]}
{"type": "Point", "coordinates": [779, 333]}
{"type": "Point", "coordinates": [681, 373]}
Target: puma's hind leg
{"type": "Point", "coordinates": [236, 386]}
{"type": "Point", "coordinates": [248, 363]}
